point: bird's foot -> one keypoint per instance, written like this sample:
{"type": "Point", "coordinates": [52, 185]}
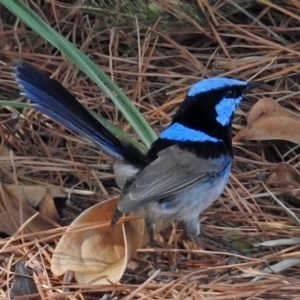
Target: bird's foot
{"type": "Point", "coordinates": [223, 245]}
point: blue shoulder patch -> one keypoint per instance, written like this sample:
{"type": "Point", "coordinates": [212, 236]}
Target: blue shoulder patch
{"type": "Point", "coordinates": [214, 83]}
{"type": "Point", "coordinates": [225, 108]}
{"type": "Point", "coordinates": [180, 133]}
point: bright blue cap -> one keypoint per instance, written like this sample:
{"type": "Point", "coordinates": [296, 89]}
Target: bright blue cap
{"type": "Point", "coordinates": [215, 83]}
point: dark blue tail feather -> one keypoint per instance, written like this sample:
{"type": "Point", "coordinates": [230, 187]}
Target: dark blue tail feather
{"type": "Point", "coordinates": [52, 99]}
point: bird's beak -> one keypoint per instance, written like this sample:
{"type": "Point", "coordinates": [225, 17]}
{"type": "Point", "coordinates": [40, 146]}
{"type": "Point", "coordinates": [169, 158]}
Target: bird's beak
{"type": "Point", "coordinates": [252, 85]}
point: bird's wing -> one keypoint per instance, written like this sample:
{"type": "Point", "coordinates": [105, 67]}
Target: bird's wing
{"type": "Point", "coordinates": [172, 172]}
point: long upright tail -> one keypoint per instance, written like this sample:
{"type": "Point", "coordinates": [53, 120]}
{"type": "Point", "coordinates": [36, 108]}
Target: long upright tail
{"type": "Point", "coordinates": [52, 99]}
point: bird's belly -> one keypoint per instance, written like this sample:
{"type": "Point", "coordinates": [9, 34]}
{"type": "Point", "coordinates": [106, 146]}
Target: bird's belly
{"type": "Point", "coordinates": [189, 203]}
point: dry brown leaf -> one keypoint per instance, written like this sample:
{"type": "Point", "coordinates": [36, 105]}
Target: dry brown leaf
{"type": "Point", "coordinates": [269, 121]}
{"type": "Point", "coordinates": [270, 129]}
{"type": "Point", "coordinates": [287, 174]}
{"type": "Point", "coordinates": [47, 207]}
{"type": "Point", "coordinates": [99, 254]}
{"type": "Point", "coordinates": [16, 211]}
{"type": "Point", "coordinates": [93, 254]}
{"type": "Point", "coordinates": [267, 107]}
{"type": "Point", "coordinates": [34, 194]}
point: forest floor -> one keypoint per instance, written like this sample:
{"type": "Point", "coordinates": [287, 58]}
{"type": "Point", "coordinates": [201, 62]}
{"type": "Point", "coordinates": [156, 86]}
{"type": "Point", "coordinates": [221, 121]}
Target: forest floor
{"type": "Point", "coordinates": [155, 60]}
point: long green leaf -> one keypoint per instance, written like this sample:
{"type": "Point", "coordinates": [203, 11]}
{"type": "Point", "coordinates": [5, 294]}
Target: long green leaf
{"type": "Point", "coordinates": [123, 103]}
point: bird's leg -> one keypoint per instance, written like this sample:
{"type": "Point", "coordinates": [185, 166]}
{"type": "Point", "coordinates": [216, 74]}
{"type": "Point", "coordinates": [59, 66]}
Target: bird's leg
{"type": "Point", "coordinates": [150, 226]}
{"type": "Point", "coordinates": [221, 245]}
{"type": "Point", "coordinates": [193, 229]}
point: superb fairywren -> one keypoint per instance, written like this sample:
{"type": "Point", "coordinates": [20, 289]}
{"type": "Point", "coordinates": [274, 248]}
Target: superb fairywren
{"type": "Point", "coordinates": [186, 168]}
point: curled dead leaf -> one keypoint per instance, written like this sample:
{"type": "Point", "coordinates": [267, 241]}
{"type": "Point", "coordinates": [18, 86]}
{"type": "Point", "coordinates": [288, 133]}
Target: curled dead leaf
{"type": "Point", "coordinates": [267, 107]}
{"type": "Point", "coordinates": [270, 129]}
{"type": "Point", "coordinates": [287, 174]}
{"type": "Point", "coordinates": [269, 121]}
{"type": "Point", "coordinates": [48, 208]}
{"type": "Point", "coordinates": [37, 196]}
{"type": "Point", "coordinates": [94, 250]}
{"type": "Point", "coordinates": [94, 253]}
{"type": "Point", "coordinates": [15, 211]}
{"type": "Point", "coordinates": [34, 194]}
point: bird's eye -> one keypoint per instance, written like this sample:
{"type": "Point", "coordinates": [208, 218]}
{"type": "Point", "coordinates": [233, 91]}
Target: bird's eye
{"type": "Point", "coordinates": [231, 94]}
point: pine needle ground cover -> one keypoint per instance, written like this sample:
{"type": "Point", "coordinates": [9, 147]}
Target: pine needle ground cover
{"type": "Point", "coordinates": [154, 51]}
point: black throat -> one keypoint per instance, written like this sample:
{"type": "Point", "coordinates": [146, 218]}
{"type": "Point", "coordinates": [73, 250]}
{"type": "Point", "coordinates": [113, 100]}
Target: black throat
{"type": "Point", "coordinates": [201, 149]}
{"type": "Point", "coordinates": [199, 113]}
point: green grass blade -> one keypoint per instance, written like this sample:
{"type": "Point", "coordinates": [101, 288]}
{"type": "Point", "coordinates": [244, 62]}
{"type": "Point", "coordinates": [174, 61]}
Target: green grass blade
{"type": "Point", "coordinates": [124, 104]}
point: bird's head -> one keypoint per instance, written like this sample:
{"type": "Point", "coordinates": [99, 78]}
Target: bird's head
{"type": "Point", "coordinates": [210, 105]}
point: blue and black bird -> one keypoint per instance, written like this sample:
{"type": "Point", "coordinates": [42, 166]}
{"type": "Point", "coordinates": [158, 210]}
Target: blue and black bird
{"type": "Point", "coordinates": [187, 167]}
